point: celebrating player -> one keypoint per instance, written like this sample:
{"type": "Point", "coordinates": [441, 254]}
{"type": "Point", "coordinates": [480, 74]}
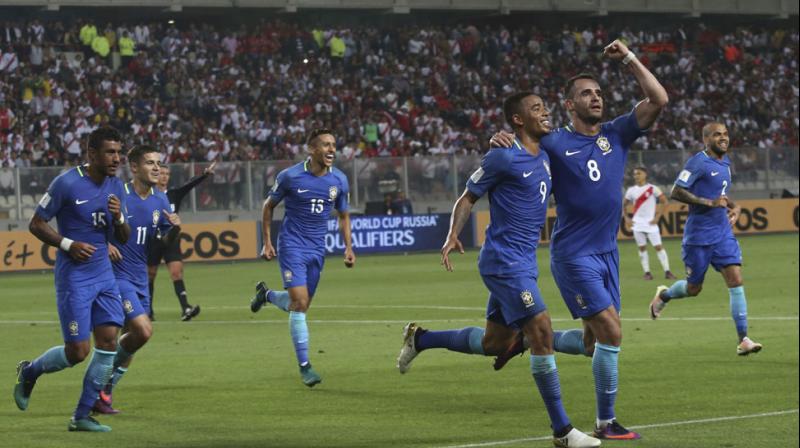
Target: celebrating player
{"type": "Point", "coordinates": [517, 179]}
{"type": "Point", "coordinates": [588, 163]}
{"type": "Point", "coordinates": [708, 235]}
{"type": "Point", "coordinates": [84, 201]}
{"type": "Point", "coordinates": [312, 189]}
{"type": "Point", "coordinates": [171, 253]}
{"type": "Point", "coordinates": [649, 203]}
{"type": "Point", "coordinates": [150, 222]}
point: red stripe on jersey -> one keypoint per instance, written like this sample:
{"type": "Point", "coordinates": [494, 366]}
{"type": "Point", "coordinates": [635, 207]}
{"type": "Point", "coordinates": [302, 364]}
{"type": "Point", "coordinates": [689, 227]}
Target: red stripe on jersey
{"type": "Point", "coordinates": [640, 200]}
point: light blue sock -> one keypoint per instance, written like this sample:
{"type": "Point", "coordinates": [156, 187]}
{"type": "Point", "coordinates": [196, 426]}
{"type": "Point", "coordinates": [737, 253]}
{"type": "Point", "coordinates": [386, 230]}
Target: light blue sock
{"type": "Point", "coordinates": [115, 377]}
{"type": "Point", "coordinates": [545, 373]}
{"type": "Point", "coordinates": [739, 310]}
{"type": "Point", "coordinates": [465, 340]}
{"type": "Point", "coordinates": [98, 372]}
{"type": "Point", "coordinates": [53, 360]}
{"type": "Point", "coordinates": [279, 298]}
{"type": "Point", "coordinates": [121, 356]}
{"type": "Point", "coordinates": [676, 291]}
{"type": "Point", "coordinates": [299, 330]}
{"type": "Point", "coordinates": [604, 368]}
{"type": "Point", "coordinates": [569, 341]}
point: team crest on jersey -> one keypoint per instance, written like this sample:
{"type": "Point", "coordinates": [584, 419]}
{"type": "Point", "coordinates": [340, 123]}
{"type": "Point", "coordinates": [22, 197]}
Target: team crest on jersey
{"type": "Point", "coordinates": [128, 306]}
{"type": "Point", "coordinates": [73, 328]}
{"type": "Point", "coordinates": [527, 298]}
{"type": "Point", "coordinates": [287, 276]}
{"type": "Point", "coordinates": [604, 145]}
{"type": "Point", "coordinates": [333, 192]}
{"type": "Point", "coordinates": [547, 168]}
{"type": "Point", "coordinates": [581, 302]}
{"type": "Point", "coordinates": [156, 215]}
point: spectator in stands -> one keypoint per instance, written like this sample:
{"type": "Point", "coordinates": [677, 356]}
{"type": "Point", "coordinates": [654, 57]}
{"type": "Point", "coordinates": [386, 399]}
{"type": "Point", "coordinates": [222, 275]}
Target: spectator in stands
{"type": "Point", "coordinates": [401, 205]}
{"type": "Point", "coordinates": [7, 181]}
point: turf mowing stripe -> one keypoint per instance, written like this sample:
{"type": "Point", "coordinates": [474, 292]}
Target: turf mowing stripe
{"type": "Point", "coordinates": [654, 425]}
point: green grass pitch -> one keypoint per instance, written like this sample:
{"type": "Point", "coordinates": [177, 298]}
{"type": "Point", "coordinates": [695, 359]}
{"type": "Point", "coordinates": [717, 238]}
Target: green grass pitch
{"type": "Point", "coordinates": [229, 379]}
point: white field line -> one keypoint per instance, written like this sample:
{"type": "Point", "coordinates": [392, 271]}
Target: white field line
{"type": "Point", "coordinates": [653, 425]}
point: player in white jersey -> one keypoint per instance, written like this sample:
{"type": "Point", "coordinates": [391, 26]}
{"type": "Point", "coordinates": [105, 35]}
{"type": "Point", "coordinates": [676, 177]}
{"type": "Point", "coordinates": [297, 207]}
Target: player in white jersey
{"type": "Point", "coordinates": [648, 203]}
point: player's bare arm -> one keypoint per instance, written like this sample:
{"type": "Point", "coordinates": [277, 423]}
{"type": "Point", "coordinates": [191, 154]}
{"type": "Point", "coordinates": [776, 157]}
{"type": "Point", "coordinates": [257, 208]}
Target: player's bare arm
{"type": "Point", "coordinates": [78, 250]}
{"type": "Point", "coordinates": [661, 207]}
{"type": "Point", "coordinates": [625, 218]}
{"type": "Point", "coordinates": [121, 228]}
{"type": "Point", "coordinates": [734, 210]}
{"type": "Point", "coordinates": [656, 96]}
{"type": "Point", "coordinates": [460, 216]}
{"type": "Point", "coordinates": [114, 253]}
{"type": "Point", "coordinates": [267, 251]}
{"type": "Point", "coordinates": [683, 195]}
{"type": "Point", "coordinates": [502, 139]}
{"type": "Point", "coordinates": [344, 227]}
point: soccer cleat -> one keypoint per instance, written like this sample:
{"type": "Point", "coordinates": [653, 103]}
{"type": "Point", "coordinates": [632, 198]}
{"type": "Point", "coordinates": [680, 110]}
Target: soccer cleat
{"type": "Point", "coordinates": [657, 305]}
{"type": "Point", "coordinates": [309, 376]}
{"type": "Point", "coordinates": [516, 348]}
{"type": "Point", "coordinates": [669, 275]}
{"type": "Point", "coordinates": [409, 350]}
{"type": "Point", "coordinates": [260, 298]}
{"type": "Point", "coordinates": [23, 388]}
{"type": "Point", "coordinates": [615, 431]}
{"type": "Point", "coordinates": [575, 439]}
{"type": "Point", "coordinates": [190, 312]}
{"type": "Point", "coordinates": [747, 346]}
{"type": "Point", "coordinates": [648, 276]}
{"type": "Point", "coordinates": [103, 405]}
{"type": "Point", "coordinates": [87, 424]}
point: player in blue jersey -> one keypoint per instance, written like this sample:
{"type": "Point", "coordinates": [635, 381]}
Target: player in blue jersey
{"type": "Point", "coordinates": [588, 163]}
{"type": "Point", "coordinates": [517, 181]}
{"type": "Point", "coordinates": [708, 236]}
{"type": "Point", "coordinates": [150, 222]}
{"type": "Point", "coordinates": [85, 201]}
{"type": "Point", "coordinates": [311, 190]}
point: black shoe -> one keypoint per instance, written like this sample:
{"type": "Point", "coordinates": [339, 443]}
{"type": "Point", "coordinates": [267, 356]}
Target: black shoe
{"type": "Point", "coordinates": [260, 298]}
{"type": "Point", "coordinates": [190, 312]}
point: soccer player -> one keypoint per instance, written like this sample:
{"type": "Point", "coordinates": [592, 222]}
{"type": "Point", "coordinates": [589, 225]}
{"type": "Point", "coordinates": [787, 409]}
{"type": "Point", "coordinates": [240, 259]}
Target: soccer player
{"type": "Point", "coordinates": [708, 235]}
{"type": "Point", "coordinates": [588, 163]}
{"type": "Point", "coordinates": [171, 253]}
{"type": "Point", "coordinates": [312, 189]}
{"type": "Point", "coordinates": [85, 201]}
{"type": "Point", "coordinates": [150, 221]}
{"type": "Point", "coordinates": [649, 203]}
{"type": "Point", "coordinates": [517, 179]}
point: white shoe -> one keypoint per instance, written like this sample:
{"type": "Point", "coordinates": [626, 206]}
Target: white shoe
{"type": "Point", "coordinates": [576, 439]}
{"type": "Point", "coordinates": [747, 346]}
{"type": "Point", "coordinates": [409, 350]}
{"type": "Point", "coordinates": [657, 305]}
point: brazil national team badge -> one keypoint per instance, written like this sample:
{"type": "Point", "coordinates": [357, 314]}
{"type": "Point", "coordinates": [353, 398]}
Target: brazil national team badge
{"type": "Point", "coordinates": [527, 298]}
{"type": "Point", "coordinates": [287, 276]}
{"type": "Point", "coordinates": [604, 145]}
{"type": "Point", "coordinates": [128, 306]}
{"type": "Point", "coordinates": [581, 302]}
{"type": "Point", "coordinates": [156, 215]}
{"type": "Point", "coordinates": [333, 192]}
{"type": "Point", "coordinates": [73, 328]}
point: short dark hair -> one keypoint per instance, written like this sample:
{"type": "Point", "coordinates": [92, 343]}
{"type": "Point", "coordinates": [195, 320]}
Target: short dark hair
{"type": "Point", "coordinates": [102, 134]}
{"type": "Point", "coordinates": [135, 155]}
{"type": "Point", "coordinates": [640, 168]}
{"type": "Point", "coordinates": [512, 105]}
{"type": "Point", "coordinates": [568, 93]}
{"type": "Point", "coordinates": [316, 133]}
{"type": "Point", "coordinates": [708, 126]}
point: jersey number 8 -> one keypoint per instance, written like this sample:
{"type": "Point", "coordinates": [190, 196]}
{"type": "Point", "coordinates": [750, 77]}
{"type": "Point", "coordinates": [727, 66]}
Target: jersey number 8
{"type": "Point", "coordinates": [594, 170]}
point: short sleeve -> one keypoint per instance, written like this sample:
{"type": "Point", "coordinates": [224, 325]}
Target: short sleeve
{"type": "Point", "coordinates": [629, 194]}
{"type": "Point", "coordinates": [657, 192]}
{"type": "Point", "coordinates": [53, 199]}
{"type": "Point", "coordinates": [627, 128]}
{"type": "Point", "coordinates": [281, 187]}
{"type": "Point", "coordinates": [491, 171]}
{"type": "Point", "coordinates": [689, 174]}
{"type": "Point", "coordinates": [342, 203]}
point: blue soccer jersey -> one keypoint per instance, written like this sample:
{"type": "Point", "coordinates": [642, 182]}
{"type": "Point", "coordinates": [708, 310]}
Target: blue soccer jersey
{"type": "Point", "coordinates": [80, 207]}
{"type": "Point", "coordinates": [148, 222]}
{"type": "Point", "coordinates": [587, 184]}
{"type": "Point", "coordinates": [309, 201]}
{"type": "Point", "coordinates": [518, 184]}
{"type": "Point", "coordinates": [709, 178]}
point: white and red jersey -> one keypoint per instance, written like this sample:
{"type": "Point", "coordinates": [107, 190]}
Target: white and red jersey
{"type": "Point", "coordinates": [644, 199]}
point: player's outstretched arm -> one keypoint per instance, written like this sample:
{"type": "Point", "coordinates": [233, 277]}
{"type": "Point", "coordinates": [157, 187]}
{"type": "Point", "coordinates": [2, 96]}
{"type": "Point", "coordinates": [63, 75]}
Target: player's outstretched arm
{"type": "Point", "coordinates": [648, 109]}
{"type": "Point", "coordinates": [344, 227]}
{"type": "Point", "coordinates": [502, 139]}
{"type": "Point", "coordinates": [267, 251]}
{"type": "Point", "coordinates": [460, 216]}
{"type": "Point", "coordinates": [681, 194]}
{"type": "Point", "coordinates": [77, 250]}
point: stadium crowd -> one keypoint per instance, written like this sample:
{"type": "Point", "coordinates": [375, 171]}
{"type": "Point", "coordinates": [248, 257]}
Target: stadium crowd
{"type": "Point", "coordinates": [250, 93]}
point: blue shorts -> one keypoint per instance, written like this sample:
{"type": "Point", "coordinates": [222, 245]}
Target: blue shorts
{"type": "Point", "coordinates": [300, 268]}
{"type": "Point", "coordinates": [81, 307]}
{"type": "Point", "coordinates": [588, 284]}
{"type": "Point", "coordinates": [512, 299]}
{"type": "Point", "coordinates": [697, 258]}
{"type": "Point", "coordinates": [135, 299]}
